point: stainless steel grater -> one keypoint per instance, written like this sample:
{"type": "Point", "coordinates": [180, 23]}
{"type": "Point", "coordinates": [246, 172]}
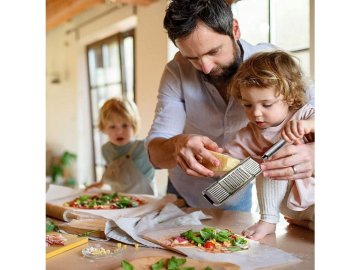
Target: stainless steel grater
{"type": "Point", "coordinates": [239, 177]}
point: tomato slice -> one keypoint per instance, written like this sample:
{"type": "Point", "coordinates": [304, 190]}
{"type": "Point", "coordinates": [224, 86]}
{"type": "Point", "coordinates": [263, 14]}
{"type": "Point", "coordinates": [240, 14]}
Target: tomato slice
{"type": "Point", "coordinates": [209, 244]}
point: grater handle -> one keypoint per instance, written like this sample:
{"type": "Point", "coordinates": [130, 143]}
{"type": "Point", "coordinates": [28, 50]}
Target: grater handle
{"type": "Point", "coordinates": [273, 149]}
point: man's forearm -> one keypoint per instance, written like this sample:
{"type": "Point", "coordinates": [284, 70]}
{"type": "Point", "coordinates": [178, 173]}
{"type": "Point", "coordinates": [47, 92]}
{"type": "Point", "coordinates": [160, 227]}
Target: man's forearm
{"type": "Point", "coordinates": [161, 152]}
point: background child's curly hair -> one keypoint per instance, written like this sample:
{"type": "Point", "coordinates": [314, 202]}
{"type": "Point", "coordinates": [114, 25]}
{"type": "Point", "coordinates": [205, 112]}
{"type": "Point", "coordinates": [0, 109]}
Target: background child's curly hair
{"type": "Point", "coordinates": [276, 69]}
{"type": "Point", "coordinates": [118, 107]}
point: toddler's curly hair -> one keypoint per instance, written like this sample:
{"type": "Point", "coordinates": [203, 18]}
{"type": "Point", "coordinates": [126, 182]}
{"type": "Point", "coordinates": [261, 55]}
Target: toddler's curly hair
{"type": "Point", "coordinates": [276, 69]}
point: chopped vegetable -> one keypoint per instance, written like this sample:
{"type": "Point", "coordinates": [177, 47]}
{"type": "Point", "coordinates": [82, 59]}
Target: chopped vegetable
{"type": "Point", "coordinates": [158, 265]}
{"type": "Point", "coordinates": [211, 239]}
{"type": "Point", "coordinates": [126, 265]}
{"type": "Point", "coordinates": [174, 263]}
{"type": "Point", "coordinates": [191, 236]}
{"type": "Point", "coordinates": [170, 264]}
{"type": "Point", "coordinates": [105, 201]}
{"type": "Point", "coordinates": [51, 226]}
{"type": "Point", "coordinates": [209, 244]}
{"type": "Point", "coordinates": [86, 233]}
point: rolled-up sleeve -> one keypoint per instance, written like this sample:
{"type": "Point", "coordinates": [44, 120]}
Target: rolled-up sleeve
{"type": "Point", "coordinates": [170, 115]}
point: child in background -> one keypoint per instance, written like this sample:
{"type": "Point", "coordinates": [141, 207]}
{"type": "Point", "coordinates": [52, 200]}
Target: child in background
{"type": "Point", "coordinates": [128, 169]}
{"type": "Point", "coordinates": [270, 87]}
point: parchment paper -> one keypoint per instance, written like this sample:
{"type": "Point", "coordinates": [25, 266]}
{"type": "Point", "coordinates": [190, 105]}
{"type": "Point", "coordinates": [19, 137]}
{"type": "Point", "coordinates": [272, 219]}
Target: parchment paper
{"type": "Point", "coordinates": [129, 229]}
{"type": "Point", "coordinates": [257, 256]}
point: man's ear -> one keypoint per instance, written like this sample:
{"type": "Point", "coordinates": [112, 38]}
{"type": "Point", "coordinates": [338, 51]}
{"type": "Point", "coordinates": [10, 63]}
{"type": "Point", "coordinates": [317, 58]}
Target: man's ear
{"type": "Point", "coordinates": [236, 30]}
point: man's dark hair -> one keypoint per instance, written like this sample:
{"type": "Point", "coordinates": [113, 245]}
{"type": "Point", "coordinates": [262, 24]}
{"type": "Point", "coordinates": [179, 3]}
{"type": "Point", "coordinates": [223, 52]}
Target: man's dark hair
{"type": "Point", "coordinates": [182, 16]}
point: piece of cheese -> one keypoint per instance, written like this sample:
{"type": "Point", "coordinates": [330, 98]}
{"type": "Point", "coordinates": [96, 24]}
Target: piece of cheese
{"type": "Point", "coordinates": [226, 163]}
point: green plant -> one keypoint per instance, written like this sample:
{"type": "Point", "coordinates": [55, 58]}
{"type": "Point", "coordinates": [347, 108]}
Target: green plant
{"type": "Point", "coordinates": [60, 168]}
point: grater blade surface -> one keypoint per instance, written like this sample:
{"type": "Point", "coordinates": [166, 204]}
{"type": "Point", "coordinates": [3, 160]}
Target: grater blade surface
{"type": "Point", "coordinates": [232, 182]}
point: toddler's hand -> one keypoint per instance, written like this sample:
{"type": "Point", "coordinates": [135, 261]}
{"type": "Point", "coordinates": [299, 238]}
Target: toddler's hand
{"type": "Point", "coordinates": [294, 130]}
{"type": "Point", "coordinates": [95, 185]}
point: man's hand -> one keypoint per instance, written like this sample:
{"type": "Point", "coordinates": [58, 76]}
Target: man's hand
{"type": "Point", "coordinates": [187, 151]}
{"type": "Point", "coordinates": [191, 150]}
{"type": "Point", "coordinates": [291, 162]}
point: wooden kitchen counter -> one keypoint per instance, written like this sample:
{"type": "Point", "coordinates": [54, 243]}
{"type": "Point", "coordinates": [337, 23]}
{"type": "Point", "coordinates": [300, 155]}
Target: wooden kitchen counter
{"type": "Point", "coordinates": [289, 238]}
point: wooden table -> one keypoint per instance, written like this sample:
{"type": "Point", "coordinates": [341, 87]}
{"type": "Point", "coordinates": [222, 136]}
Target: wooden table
{"type": "Point", "coordinates": [292, 239]}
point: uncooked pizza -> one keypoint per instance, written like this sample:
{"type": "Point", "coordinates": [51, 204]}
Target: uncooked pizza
{"type": "Point", "coordinates": [105, 201]}
{"type": "Point", "coordinates": [210, 240]}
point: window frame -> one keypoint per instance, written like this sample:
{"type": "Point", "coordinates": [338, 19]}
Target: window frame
{"type": "Point", "coordinates": [119, 38]}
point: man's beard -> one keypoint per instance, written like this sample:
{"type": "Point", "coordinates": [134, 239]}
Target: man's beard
{"type": "Point", "coordinates": [228, 71]}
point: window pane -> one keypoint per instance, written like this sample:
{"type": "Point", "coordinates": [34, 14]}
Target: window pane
{"type": "Point", "coordinates": [111, 62]}
{"type": "Point", "coordinates": [304, 57]}
{"type": "Point", "coordinates": [92, 67]}
{"type": "Point", "coordinates": [129, 66]}
{"type": "Point", "coordinates": [114, 91]}
{"type": "Point", "coordinates": [290, 24]}
{"type": "Point", "coordinates": [94, 106]}
{"type": "Point", "coordinates": [100, 76]}
{"type": "Point", "coordinates": [253, 18]}
{"type": "Point", "coordinates": [102, 96]}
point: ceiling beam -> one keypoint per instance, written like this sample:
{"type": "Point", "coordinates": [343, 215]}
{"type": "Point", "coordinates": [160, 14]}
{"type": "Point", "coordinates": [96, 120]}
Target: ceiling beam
{"type": "Point", "coordinates": [60, 11]}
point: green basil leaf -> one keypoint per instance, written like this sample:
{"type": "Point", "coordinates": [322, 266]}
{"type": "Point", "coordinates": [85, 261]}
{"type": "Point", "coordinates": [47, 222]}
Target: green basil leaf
{"type": "Point", "coordinates": [50, 226]}
{"type": "Point", "coordinates": [158, 265]}
{"type": "Point", "coordinates": [83, 198]}
{"type": "Point", "coordinates": [192, 236]}
{"type": "Point", "coordinates": [240, 241]}
{"type": "Point", "coordinates": [234, 248]}
{"type": "Point", "coordinates": [126, 265]}
{"type": "Point", "coordinates": [206, 234]}
{"type": "Point", "coordinates": [174, 263]}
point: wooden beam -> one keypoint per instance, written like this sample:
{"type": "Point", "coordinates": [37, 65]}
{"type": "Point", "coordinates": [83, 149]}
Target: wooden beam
{"type": "Point", "coordinates": [135, 2]}
{"type": "Point", "coordinates": [60, 11]}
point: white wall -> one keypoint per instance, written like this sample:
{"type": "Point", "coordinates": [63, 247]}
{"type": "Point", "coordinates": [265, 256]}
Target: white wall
{"type": "Point", "coordinates": [151, 57]}
{"type": "Point", "coordinates": [67, 103]}
{"type": "Point", "coordinates": [61, 98]}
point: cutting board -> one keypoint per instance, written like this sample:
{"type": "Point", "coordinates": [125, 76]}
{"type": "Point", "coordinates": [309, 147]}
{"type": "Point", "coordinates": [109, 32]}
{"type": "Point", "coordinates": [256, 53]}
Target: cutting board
{"type": "Point", "coordinates": [72, 241]}
{"type": "Point", "coordinates": [146, 262]}
{"type": "Point", "coordinates": [94, 227]}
